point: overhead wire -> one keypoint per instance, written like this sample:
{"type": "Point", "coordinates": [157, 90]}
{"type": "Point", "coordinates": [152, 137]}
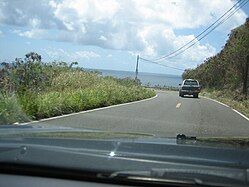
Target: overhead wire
{"type": "Point", "coordinates": [169, 56]}
{"type": "Point", "coordinates": [231, 14]}
{"type": "Point", "coordinates": [165, 56]}
{"type": "Point", "coordinates": [172, 67]}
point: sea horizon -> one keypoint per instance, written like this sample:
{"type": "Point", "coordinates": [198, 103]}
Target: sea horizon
{"type": "Point", "coordinates": [146, 78]}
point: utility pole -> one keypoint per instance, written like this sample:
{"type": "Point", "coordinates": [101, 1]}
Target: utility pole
{"type": "Point", "coordinates": [245, 77]}
{"type": "Point", "coordinates": [137, 67]}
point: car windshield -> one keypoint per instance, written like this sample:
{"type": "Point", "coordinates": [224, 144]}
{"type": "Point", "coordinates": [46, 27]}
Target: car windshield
{"type": "Point", "coordinates": [123, 70]}
{"type": "Point", "coordinates": [190, 82]}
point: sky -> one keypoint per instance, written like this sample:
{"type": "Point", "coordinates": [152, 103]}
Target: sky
{"type": "Point", "coordinates": [109, 34]}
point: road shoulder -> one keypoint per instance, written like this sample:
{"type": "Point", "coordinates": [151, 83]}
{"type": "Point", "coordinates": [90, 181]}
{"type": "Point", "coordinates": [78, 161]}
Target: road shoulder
{"type": "Point", "coordinates": [242, 115]}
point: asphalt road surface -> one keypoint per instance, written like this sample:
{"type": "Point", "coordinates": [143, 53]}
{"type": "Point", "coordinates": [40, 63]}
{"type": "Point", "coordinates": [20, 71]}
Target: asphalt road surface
{"type": "Point", "coordinates": [166, 115]}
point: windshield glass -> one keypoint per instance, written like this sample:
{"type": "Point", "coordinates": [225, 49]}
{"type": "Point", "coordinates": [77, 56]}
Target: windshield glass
{"type": "Point", "coordinates": [190, 82]}
{"type": "Point", "coordinates": [114, 69]}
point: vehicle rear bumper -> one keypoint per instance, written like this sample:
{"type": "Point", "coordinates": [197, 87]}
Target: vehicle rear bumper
{"type": "Point", "coordinates": [190, 92]}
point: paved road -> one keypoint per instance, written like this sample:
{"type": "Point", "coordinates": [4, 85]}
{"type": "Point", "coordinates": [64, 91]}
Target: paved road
{"type": "Point", "coordinates": [165, 115]}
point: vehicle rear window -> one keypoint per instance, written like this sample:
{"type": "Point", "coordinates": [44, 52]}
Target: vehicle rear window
{"type": "Point", "coordinates": [190, 82]}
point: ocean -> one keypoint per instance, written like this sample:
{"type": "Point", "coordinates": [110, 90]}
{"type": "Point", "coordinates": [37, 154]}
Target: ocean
{"type": "Point", "coordinates": [148, 79]}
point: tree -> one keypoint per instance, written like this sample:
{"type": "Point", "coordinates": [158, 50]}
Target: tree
{"type": "Point", "coordinates": [72, 64]}
{"type": "Point", "coordinates": [32, 57]}
{"type": "Point", "coordinates": [229, 69]}
{"type": "Point", "coordinates": [238, 50]}
{"type": "Point", "coordinates": [23, 75]}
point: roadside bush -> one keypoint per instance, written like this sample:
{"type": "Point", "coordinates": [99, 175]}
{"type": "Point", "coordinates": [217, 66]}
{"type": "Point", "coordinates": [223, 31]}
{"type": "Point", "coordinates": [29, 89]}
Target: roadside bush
{"type": "Point", "coordinates": [10, 110]}
{"type": "Point", "coordinates": [228, 70]}
{"type": "Point", "coordinates": [32, 89]}
{"type": "Point", "coordinates": [56, 103]}
{"type": "Point", "coordinates": [74, 79]}
{"type": "Point", "coordinates": [230, 98]}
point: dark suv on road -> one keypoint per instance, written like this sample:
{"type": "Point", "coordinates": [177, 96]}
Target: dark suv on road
{"type": "Point", "coordinates": [189, 87]}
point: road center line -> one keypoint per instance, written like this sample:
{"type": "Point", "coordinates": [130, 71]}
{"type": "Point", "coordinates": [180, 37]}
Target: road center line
{"type": "Point", "coordinates": [178, 105]}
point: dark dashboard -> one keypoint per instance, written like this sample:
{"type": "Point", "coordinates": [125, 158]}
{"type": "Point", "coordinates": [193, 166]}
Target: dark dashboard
{"type": "Point", "coordinates": [68, 162]}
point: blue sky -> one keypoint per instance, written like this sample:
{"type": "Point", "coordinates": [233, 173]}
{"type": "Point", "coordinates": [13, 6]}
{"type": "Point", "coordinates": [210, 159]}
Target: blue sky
{"type": "Point", "coordinates": [109, 34]}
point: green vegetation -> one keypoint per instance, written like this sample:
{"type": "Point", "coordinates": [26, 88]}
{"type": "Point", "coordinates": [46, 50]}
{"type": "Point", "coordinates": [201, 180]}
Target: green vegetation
{"type": "Point", "coordinates": [32, 89]}
{"type": "Point", "coordinates": [229, 98]}
{"type": "Point", "coordinates": [10, 111]}
{"type": "Point", "coordinates": [166, 88]}
{"type": "Point", "coordinates": [225, 76]}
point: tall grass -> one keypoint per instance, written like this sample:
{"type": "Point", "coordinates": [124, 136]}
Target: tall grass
{"type": "Point", "coordinates": [104, 93]}
{"type": "Point", "coordinates": [10, 110]}
{"type": "Point", "coordinates": [71, 90]}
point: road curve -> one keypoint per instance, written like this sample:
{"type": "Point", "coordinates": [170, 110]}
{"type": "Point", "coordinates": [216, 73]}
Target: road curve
{"type": "Point", "coordinates": [165, 115]}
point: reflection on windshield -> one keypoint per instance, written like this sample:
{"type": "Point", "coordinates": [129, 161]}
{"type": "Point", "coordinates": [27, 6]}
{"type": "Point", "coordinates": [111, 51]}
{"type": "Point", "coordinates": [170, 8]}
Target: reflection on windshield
{"type": "Point", "coordinates": [187, 82]}
{"type": "Point", "coordinates": [116, 91]}
{"type": "Point", "coordinates": [118, 68]}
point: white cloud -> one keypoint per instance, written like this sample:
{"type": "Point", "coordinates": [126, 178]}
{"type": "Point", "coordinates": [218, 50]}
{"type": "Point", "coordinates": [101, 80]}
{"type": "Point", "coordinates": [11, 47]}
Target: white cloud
{"type": "Point", "coordinates": [85, 54]}
{"type": "Point", "coordinates": [133, 53]}
{"type": "Point", "coordinates": [146, 27]}
{"type": "Point", "coordinates": [186, 14]}
{"type": "Point", "coordinates": [34, 33]}
{"type": "Point", "coordinates": [103, 38]}
{"type": "Point", "coordinates": [83, 11]}
{"type": "Point", "coordinates": [27, 13]}
{"type": "Point", "coordinates": [61, 54]}
{"type": "Point", "coordinates": [54, 54]}
{"type": "Point", "coordinates": [158, 40]}
{"type": "Point", "coordinates": [16, 31]}
{"type": "Point", "coordinates": [1, 33]}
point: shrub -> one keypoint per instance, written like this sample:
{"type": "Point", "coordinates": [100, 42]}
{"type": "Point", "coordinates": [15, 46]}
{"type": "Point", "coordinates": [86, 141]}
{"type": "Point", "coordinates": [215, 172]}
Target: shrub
{"type": "Point", "coordinates": [10, 110]}
{"type": "Point", "coordinates": [42, 90]}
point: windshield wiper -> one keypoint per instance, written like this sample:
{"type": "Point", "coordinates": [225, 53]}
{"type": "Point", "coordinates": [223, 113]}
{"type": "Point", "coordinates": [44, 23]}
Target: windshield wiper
{"type": "Point", "coordinates": [144, 177]}
{"type": "Point", "coordinates": [201, 177]}
{"type": "Point", "coordinates": [184, 137]}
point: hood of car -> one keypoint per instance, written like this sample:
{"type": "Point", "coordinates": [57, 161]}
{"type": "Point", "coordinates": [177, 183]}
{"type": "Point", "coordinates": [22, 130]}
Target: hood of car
{"type": "Point", "coordinates": [57, 132]}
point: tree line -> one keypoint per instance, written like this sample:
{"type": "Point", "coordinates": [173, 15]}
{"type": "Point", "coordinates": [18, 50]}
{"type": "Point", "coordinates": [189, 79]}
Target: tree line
{"type": "Point", "coordinates": [30, 74]}
{"type": "Point", "coordinates": [229, 69]}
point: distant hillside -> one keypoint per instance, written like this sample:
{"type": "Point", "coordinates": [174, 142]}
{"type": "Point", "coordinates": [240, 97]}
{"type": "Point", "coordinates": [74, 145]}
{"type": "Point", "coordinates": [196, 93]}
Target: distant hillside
{"type": "Point", "coordinates": [229, 69]}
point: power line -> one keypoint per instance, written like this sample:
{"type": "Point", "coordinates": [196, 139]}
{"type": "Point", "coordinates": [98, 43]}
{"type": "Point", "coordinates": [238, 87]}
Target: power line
{"type": "Point", "coordinates": [199, 34]}
{"type": "Point", "coordinates": [238, 2]}
{"type": "Point", "coordinates": [222, 21]}
{"type": "Point", "coordinates": [150, 61]}
{"type": "Point", "coordinates": [231, 14]}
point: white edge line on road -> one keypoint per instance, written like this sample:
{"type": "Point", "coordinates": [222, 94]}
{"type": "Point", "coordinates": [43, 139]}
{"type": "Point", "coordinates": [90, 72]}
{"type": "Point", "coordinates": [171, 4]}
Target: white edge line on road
{"type": "Point", "coordinates": [228, 107]}
{"type": "Point", "coordinates": [240, 114]}
{"type": "Point", "coordinates": [216, 101]}
{"type": "Point", "coordinates": [87, 111]}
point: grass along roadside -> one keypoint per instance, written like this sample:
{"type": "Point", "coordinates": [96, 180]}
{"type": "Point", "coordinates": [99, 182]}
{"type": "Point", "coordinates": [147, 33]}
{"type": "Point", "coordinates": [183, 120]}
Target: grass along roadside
{"type": "Point", "coordinates": [228, 98]}
{"type": "Point", "coordinates": [10, 110]}
{"type": "Point", "coordinates": [70, 91]}
{"type": "Point", "coordinates": [14, 108]}
{"type": "Point", "coordinates": [164, 88]}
